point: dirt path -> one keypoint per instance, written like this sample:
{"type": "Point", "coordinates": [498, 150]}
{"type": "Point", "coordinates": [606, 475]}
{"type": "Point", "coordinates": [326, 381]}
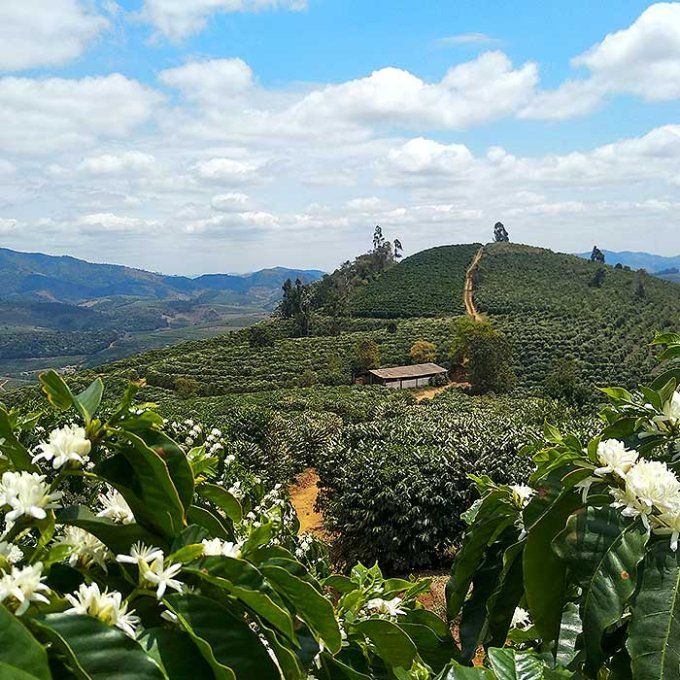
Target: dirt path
{"type": "Point", "coordinates": [468, 292]}
{"type": "Point", "coordinates": [431, 392]}
{"type": "Point", "coordinates": [303, 495]}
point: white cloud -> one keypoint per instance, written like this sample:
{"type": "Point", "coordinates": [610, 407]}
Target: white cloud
{"type": "Point", "coordinates": [127, 163]}
{"type": "Point", "coordinates": [43, 115]}
{"type": "Point", "coordinates": [473, 92]}
{"type": "Point", "coordinates": [227, 170]}
{"type": "Point", "coordinates": [7, 225]}
{"type": "Point", "coordinates": [113, 223]}
{"type": "Point", "coordinates": [231, 202]}
{"type": "Point", "coordinates": [178, 18]}
{"type": "Point", "coordinates": [466, 39]}
{"type": "Point", "coordinates": [45, 32]}
{"type": "Point", "coordinates": [642, 60]}
{"type": "Point", "coordinates": [425, 157]}
{"type": "Point", "coordinates": [213, 81]}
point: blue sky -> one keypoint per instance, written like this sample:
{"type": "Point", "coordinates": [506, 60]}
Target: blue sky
{"type": "Point", "coordinates": [225, 135]}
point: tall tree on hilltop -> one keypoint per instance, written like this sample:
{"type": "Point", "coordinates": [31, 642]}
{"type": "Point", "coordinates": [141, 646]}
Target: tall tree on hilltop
{"type": "Point", "coordinates": [597, 255]}
{"type": "Point", "coordinates": [500, 233]}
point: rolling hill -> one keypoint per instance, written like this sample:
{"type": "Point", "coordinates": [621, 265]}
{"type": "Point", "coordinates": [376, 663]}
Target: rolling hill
{"type": "Point", "coordinates": [550, 305]}
{"type": "Point", "coordinates": [61, 311]}
{"type": "Point", "coordinates": [654, 264]}
{"type": "Point", "coordinates": [34, 276]}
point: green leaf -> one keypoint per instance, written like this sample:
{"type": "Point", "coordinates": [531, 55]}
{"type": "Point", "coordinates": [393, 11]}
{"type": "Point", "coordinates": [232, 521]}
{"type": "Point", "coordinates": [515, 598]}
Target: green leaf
{"type": "Point", "coordinates": [603, 550]}
{"type": "Point", "coordinates": [176, 462]}
{"type": "Point", "coordinates": [225, 640]}
{"type": "Point", "coordinates": [511, 664]}
{"type": "Point", "coordinates": [393, 645]}
{"type": "Point", "coordinates": [94, 650]}
{"type": "Point", "coordinates": [435, 650]}
{"type": "Point", "coordinates": [88, 401]}
{"type": "Point", "coordinates": [143, 479]}
{"type": "Point", "coordinates": [245, 582]}
{"type": "Point", "coordinates": [311, 606]}
{"type": "Point", "coordinates": [11, 447]}
{"type": "Point", "coordinates": [494, 514]}
{"type": "Point", "coordinates": [225, 501]}
{"type": "Point", "coordinates": [56, 390]}
{"type": "Point", "coordinates": [570, 629]}
{"type": "Point", "coordinates": [20, 652]}
{"type": "Point", "coordinates": [544, 571]}
{"type": "Point", "coordinates": [206, 519]}
{"type": "Point", "coordinates": [654, 631]}
{"type": "Point", "coordinates": [175, 652]}
{"type": "Point", "coordinates": [117, 537]}
{"type": "Point", "coordinates": [456, 671]}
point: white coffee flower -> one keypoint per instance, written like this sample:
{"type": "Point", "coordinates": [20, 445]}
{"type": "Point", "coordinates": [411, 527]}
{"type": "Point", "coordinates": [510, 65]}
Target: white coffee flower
{"type": "Point", "coordinates": [217, 547]}
{"type": "Point", "coordinates": [152, 570]}
{"type": "Point", "coordinates": [161, 577]}
{"type": "Point", "coordinates": [520, 619]}
{"type": "Point", "coordinates": [649, 484]}
{"type": "Point", "coordinates": [66, 445]}
{"type": "Point", "coordinates": [671, 413]}
{"type": "Point", "coordinates": [140, 554]}
{"type": "Point", "coordinates": [521, 494]}
{"type": "Point", "coordinates": [387, 607]}
{"type": "Point", "coordinates": [86, 549]}
{"type": "Point", "coordinates": [28, 494]}
{"type": "Point", "coordinates": [10, 552]}
{"type": "Point", "coordinates": [215, 432]}
{"type": "Point", "coordinates": [614, 458]}
{"type": "Point", "coordinates": [22, 586]}
{"type": "Point", "coordinates": [106, 606]}
{"type": "Point", "coordinates": [668, 524]}
{"type": "Point", "coordinates": [115, 507]}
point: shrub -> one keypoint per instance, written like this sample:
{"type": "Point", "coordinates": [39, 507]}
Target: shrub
{"type": "Point", "coordinates": [423, 352]}
{"type": "Point", "coordinates": [393, 489]}
{"type": "Point", "coordinates": [582, 566]}
{"type": "Point", "coordinates": [127, 552]}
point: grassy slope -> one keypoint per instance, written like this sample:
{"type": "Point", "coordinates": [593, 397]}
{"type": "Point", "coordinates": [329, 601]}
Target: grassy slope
{"type": "Point", "coordinates": [228, 364]}
{"type": "Point", "coordinates": [429, 283]}
{"type": "Point", "coordinates": [543, 301]}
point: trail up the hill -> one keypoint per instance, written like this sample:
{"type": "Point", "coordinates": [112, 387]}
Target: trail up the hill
{"type": "Point", "coordinates": [468, 291]}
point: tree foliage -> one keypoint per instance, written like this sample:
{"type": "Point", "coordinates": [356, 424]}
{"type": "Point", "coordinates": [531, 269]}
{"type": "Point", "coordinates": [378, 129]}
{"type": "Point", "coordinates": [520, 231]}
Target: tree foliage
{"type": "Point", "coordinates": [423, 352]}
{"type": "Point", "coordinates": [500, 233]}
{"type": "Point", "coordinates": [485, 353]}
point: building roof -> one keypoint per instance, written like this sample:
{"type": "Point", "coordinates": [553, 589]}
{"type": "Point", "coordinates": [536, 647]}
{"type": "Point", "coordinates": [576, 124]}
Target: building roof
{"type": "Point", "coordinates": [403, 372]}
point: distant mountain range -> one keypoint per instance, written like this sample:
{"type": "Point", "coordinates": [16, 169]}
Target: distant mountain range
{"type": "Point", "coordinates": [38, 277]}
{"type": "Point", "coordinates": [666, 267]}
{"type": "Point", "coordinates": [61, 311]}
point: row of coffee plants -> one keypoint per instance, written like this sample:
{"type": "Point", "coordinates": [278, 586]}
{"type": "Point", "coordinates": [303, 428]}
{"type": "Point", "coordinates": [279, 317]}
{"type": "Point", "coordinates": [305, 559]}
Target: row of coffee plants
{"type": "Point", "coordinates": [394, 489]}
{"type": "Point", "coordinates": [545, 302]}
{"type": "Point", "coordinates": [229, 364]}
{"type": "Point", "coordinates": [581, 565]}
{"type": "Point", "coordinates": [137, 547]}
{"type": "Point", "coordinates": [429, 283]}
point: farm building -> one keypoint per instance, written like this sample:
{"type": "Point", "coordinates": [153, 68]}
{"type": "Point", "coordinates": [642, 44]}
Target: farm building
{"type": "Point", "coordinates": [403, 377]}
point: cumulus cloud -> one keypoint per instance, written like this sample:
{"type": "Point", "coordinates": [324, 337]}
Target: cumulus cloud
{"type": "Point", "coordinates": [226, 170]}
{"type": "Point", "coordinates": [480, 90]}
{"type": "Point", "coordinates": [127, 163]}
{"type": "Point", "coordinates": [212, 81]}
{"type": "Point", "coordinates": [43, 115]}
{"type": "Point", "coordinates": [177, 19]}
{"type": "Point", "coordinates": [642, 60]}
{"type": "Point", "coordinates": [45, 32]}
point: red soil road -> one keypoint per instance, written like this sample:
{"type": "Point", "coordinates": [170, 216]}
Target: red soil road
{"type": "Point", "coordinates": [468, 292]}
